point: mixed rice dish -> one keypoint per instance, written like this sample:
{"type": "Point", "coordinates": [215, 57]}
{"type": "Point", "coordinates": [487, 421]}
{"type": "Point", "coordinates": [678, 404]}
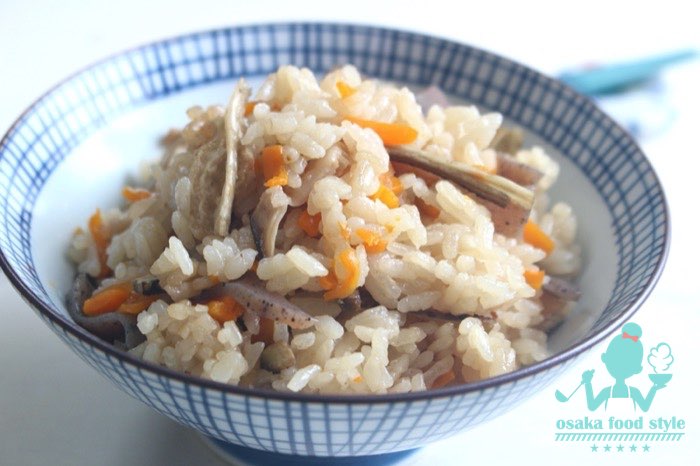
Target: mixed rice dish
{"type": "Point", "coordinates": [334, 236]}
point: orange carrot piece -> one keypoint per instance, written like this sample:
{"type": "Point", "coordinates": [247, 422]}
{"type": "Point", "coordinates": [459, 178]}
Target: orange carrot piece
{"type": "Point", "coordinates": [273, 167]}
{"type": "Point", "coordinates": [391, 133]}
{"type": "Point", "coordinates": [357, 379]}
{"type": "Point", "coordinates": [309, 223]}
{"type": "Point", "coordinates": [534, 277]}
{"type": "Point", "coordinates": [347, 262]}
{"type": "Point", "coordinates": [266, 332]}
{"type": "Point", "coordinates": [249, 106]}
{"type": "Point", "coordinates": [136, 303]}
{"type": "Point", "coordinates": [392, 182]}
{"type": "Point", "coordinates": [532, 234]}
{"type": "Point", "coordinates": [426, 209]}
{"type": "Point", "coordinates": [99, 236]}
{"type": "Point", "coordinates": [344, 89]}
{"type": "Point", "coordinates": [135, 194]}
{"type": "Point", "coordinates": [328, 282]}
{"type": "Point", "coordinates": [372, 241]}
{"type": "Point", "coordinates": [107, 300]}
{"type": "Point", "coordinates": [386, 196]}
{"type": "Point", "coordinates": [443, 379]}
{"type": "Point", "coordinates": [224, 309]}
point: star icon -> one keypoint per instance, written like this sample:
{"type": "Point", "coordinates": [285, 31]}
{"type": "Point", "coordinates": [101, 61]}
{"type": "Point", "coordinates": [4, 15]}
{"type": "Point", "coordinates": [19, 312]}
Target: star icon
{"type": "Point", "coordinates": [594, 447]}
{"type": "Point", "coordinates": [646, 447]}
{"type": "Point", "coordinates": [620, 447]}
{"type": "Point", "coordinates": [607, 447]}
{"type": "Point", "coordinates": [633, 448]}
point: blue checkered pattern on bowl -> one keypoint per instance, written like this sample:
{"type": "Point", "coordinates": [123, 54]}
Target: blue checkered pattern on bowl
{"type": "Point", "coordinates": [304, 424]}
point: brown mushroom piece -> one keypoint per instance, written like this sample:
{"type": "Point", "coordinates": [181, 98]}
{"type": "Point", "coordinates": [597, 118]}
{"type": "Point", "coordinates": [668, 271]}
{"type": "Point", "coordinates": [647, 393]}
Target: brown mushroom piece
{"type": "Point", "coordinates": [251, 294]}
{"type": "Point", "coordinates": [508, 202]}
{"type": "Point", "coordinates": [277, 357]}
{"type": "Point", "coordinates": [114, 327]}
{"type": "Point", "coordinates": [266, 218]}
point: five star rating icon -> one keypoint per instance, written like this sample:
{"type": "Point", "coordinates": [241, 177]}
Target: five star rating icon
{"type": "Point", "coordinates": [620, 448]}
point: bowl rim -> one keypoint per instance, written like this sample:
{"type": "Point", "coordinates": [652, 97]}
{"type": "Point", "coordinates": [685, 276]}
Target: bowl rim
{"type": "Point", "coordinates": [568, 354]}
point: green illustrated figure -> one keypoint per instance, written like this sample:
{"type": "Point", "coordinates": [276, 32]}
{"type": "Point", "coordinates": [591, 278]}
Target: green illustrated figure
{"type": "Point", "coordinates": [623, 359]}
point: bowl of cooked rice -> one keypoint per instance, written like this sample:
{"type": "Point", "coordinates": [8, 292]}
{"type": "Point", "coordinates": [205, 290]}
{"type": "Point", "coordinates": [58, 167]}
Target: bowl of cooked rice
{"type": "Point", "coordinates": [326, 240]}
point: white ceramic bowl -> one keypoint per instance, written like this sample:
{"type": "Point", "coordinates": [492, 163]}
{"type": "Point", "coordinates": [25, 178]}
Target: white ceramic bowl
{"type": "Point", "coordinates": [72, 149]}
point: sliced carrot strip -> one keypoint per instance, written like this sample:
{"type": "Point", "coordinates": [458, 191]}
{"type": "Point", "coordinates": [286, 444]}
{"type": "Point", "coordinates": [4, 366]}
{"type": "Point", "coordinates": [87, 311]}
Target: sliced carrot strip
{"type": "Point", "coordinates": [426, 209]}
{"type": "Point", "coordinates": [266, 332]}
{"type": "Point", "coordinates": [99, 236]}
{"type": "Point", "coordinates": [391, 133]}
{"type": "Point", "coordinates": [344, 89]}
{"type": "Point", "coordinates": [386, 196]}
{"type": "Point", "coordinates": [136, 303]}
{"type": "Point", "coordinates": [328, 282]}
{"type": "Point", "coordinates": [443, 379]}
{"type": "Point", "coordinates": [309, 223]}
{"type": "Point", "coordinates": [357, 379]}
{"type": "Point", "coordinates": [107, 300]}
{"type": "Point", "coordinates": [224, 309]}
{"type": "Point", "coordinates": [534, 277]}
{"type": "Point", "coordinates": [135, 194]}
{"type": "Point", "coordinates": [348, 263]}
{"type": "Point", "coordinates": [532, 234]}
{"type": "Point", "coordinates": [372, 241]}
{"type": "Point", "coordinates": [273, 167]}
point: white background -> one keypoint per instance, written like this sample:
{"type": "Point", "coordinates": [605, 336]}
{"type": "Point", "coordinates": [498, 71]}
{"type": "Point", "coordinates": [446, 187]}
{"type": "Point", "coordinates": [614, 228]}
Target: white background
{"type": "Point", "coordinates": [55, 410]}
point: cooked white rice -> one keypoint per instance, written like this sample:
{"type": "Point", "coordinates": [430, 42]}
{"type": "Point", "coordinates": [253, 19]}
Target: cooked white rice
{"type": "Point", "coordinates": [453, 264]}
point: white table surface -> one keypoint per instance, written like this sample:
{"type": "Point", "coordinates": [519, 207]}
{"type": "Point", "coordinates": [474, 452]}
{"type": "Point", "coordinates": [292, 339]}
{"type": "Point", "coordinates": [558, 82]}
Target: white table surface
{"type": "Point", "coordinates": [55, 410]}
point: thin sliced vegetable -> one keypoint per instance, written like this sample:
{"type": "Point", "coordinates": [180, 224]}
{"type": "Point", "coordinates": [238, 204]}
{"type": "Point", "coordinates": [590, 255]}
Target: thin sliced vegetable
{"type": "Point", "coordinates": [107, 300]}
{"type": "Point", "coordinates": [533, 235]}
{"type": "Point", "coordinates": [443, 379]}
{"type": "Point", "coordinates": [508, 202]}
{"type": "Point", "coordinates": [135, 194]}
{"type": "Point", "coordinates": [266, 332]}
{"type": "Point", "coordinates": [252, 294]}
{"type": "Point", "coordinates": [112, 327]}
{"type": "Point", "coordinates": [344, 89]}
{"type": "Point", "coordinates": [393, 134]}
{"type": "Point", "coordinates": [309, 223]}
{"type": "Point", "coordinates": [224, 309]}
{"type": "Point", "coordinates": [534, 277]}
{"type": "Point", "coordinates": [373, 242]}
{"type": "Point", "coordinates": [273, 167]}
{"type": "Point", "coordinates": [99, 236]}
{"type": "Point", "coordinates": [346, 265]}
